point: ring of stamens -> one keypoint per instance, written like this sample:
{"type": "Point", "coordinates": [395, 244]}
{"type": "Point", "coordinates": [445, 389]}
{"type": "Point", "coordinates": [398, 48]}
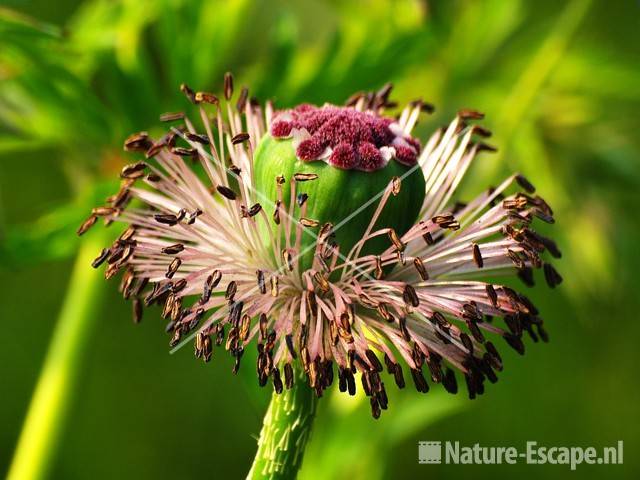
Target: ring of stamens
{"type": "Point", "coordinates": [196, 249]}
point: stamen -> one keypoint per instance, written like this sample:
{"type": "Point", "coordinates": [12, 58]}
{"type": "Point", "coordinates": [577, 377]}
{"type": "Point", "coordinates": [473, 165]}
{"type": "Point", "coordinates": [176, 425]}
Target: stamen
{"type": "Point", "coordinates": [133, 170]}
{"type": "Point", "coordinates": [232, 288]}
{"type": "Point", "coordinates": [477, 256]}
{"type": "Point", "coordinates": [226, 192]}
{"type": "Point", "coordinates": [188, 92]}
{"type": "Point", "coordinates": [99, 260]}
{"type": "Point", "coordinates": [228, 86]}
{"type": "Point", "coordinates": [205, 97]}
{"type": "Point", "coordinates": [138, 142]}
{"type": "Point", "coordinates": [171, 116]}
{"type": "Point", "coordinates": [274, 286]}
{"type": "Point", "coordinates": [240, 138]}
{"type": "Point", "coordinates": [304, 177]}
{"type": "Point", "coordinates": [173, 267]}
{"type": "Point", "coordinates": [422, 271]}
{"type": "Point", "coordinates": [309, 222]}
{"type": "Point", "coordinates": [173, 249]}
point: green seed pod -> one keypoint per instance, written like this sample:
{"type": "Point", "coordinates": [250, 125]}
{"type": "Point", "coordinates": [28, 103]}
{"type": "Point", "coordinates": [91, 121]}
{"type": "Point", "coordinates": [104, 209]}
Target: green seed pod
{"type": "Point", "coordinates": [338, 196]}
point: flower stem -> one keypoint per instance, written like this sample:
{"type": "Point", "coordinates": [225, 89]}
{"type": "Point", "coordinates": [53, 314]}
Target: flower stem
{"type": "Point", "coordinates": [285, 432]}
{"type": "Point", "coordinates": [51, 399]}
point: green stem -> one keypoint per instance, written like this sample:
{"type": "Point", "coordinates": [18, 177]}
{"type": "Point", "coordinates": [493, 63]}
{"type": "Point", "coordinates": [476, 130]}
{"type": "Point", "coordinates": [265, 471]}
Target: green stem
{"type": "Point", "coordinates": [285, 432]}
{"type": "Point", "coordinates": [50, 401]}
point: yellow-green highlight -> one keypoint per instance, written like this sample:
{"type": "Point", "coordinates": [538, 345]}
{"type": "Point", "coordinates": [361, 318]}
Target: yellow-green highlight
{"type": "Point", "coordinates": [53, 394]}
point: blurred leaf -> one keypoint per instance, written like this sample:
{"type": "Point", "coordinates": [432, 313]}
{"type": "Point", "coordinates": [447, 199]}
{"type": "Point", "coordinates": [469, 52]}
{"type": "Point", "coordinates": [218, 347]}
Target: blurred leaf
{"type": "Point", "coordinates": [206, 32]}
{"type": "Point", "coordinates": [348, 444]}
{"type": "Point", "coordinates": [320, 72]}
{"type": "Point", "coordinates": [40, 98]}
{"type": "Point", "coordinates": [481, 29]}
{"type": "Point", "coordinates": [53, 236]}
{"type": "Point", "coordinates": [541, 65]}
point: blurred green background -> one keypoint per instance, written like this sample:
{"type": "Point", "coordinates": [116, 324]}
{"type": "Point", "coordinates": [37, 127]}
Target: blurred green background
{"type": "Point", "coordinates": [560, 84]}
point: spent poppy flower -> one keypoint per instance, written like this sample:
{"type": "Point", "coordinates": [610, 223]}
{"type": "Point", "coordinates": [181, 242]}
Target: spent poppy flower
{"type": "Point", "coordinates": [329, 237]}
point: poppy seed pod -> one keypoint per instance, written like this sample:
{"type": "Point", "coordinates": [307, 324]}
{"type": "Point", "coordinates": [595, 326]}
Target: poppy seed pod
{"type": "Point", "coordinates": [338, 161]}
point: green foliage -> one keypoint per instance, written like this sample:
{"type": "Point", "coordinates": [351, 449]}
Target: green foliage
{"type": "Point", "coordinates": [52, 236]}
{"type": "Point", "coordinates": [345, 444]}
{"type": "Point", "coordinates": [558, 84]}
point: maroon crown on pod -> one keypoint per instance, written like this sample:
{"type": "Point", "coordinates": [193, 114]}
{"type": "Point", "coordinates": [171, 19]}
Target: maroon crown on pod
{"type": "Point", "coordinates": [345, 138]}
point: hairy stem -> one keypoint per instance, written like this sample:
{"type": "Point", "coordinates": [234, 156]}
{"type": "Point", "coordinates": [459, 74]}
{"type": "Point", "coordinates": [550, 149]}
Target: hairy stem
{"type": "Point", "coordinates": [56, 383]}
{"type": "Point", "coordinates": [285, 432]}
